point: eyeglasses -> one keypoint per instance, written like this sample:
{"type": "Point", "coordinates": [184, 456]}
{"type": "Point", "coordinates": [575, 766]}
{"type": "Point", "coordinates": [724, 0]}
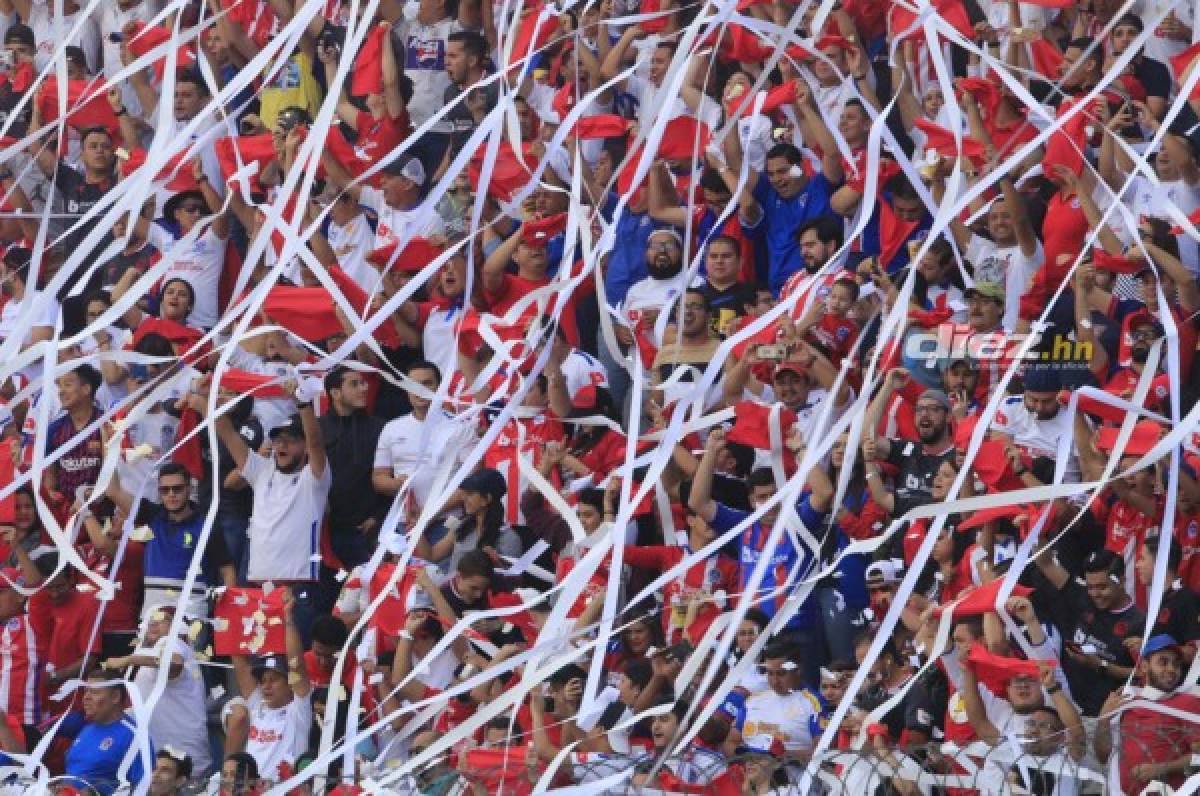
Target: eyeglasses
{"type": "Point", "coordinates": [172, 489]}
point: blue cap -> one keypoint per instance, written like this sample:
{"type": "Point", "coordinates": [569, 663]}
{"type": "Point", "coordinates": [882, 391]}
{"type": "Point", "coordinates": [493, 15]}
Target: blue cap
{"type": "Point", "coordinates": [1159, 643]}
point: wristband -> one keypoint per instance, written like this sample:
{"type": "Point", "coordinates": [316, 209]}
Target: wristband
{"type": "Point", "coordinates": [1054, 689]}
{"type": "Point", "coordinates": [305, 405]}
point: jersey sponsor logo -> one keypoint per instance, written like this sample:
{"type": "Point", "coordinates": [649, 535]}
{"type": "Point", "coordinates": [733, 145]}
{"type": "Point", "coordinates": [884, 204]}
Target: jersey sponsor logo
{"type": "Point", "coordinates": [106, 744]}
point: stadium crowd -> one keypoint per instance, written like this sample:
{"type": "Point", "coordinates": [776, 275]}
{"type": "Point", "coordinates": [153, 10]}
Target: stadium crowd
{"type": "Point", "coordinates": [459, 399]}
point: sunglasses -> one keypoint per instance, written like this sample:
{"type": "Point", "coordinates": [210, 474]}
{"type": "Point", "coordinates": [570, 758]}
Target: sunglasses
{"type": "Point", "coordinates": [172, 489]}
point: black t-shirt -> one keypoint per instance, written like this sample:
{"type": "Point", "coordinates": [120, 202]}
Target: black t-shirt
{"type": "Point", "coordinates": [917, 468]}
{"type": "Point", "coordinates": [462, 607]}
{"type": "Point", "coordinates": [1083, 624]}
{"type": "Point", "coordinates": [1179, 614]}
{"type": "Point", "coordinates": [234, 502]}
{"type": "Point", "coordinates": [732, 302]}
{"type": "Point", "coordinates": [14, 123]}
{"type": "Point", "coordinates": [1154, 77]}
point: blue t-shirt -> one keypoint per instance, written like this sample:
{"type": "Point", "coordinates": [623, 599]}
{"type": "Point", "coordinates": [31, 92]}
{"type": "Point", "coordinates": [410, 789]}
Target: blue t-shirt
{"type": "Point", "coordinates": [784, 558]}
{"type": "Point", "coordinates": [782, 218]}
{"type": "Point", "coordinates": [96, 755]}
{"type": "Point", "coordinates": [627, 260]}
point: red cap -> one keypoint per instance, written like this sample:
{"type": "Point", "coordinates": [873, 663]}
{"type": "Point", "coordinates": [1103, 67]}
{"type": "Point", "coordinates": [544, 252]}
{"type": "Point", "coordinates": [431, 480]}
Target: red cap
{"type": "Point", "coordinates": [1145, 436]}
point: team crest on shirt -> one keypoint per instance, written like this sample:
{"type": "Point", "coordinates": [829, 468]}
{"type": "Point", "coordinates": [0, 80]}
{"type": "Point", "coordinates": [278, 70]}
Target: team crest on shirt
{"type": "Point", "coordinates": [106, 744]}
{"type": "Point", "coordinates": [94, 446]}
{"type": "Point", "coordinates": [842, 333]}
{"type": "Point", "coordinates": [13, 624]}
{"type": "Point", "coordinates": [1120, 629]}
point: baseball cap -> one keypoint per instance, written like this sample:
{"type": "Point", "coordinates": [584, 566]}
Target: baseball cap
{"type": "Point", "coordinates": [939, 397]}
{"type": "Point", "coordinates": [786, 366]}
{"type": "Point", "coordinates": [989, 290]}
{"type": "Point", "coordinates": [888, 571]}
{"type": "Point", "coordinates": [270, 663]}
{"type": "Point", "coordinates": [762, 744]}
{"type": "Point", "coordinates": [486, 482]}
{"type": "Point", "coordinates": [293, 426]}
{"type": "Point", "coordinates": [1144, 317]}
{"type": "Point", "coordinates": [411, 169]}
{"type": "Point", "coordinates": [1160, 642]}
{"type": "Point", "coordinates": [20, 34]}
{"type": "Point", "coordinates": [76, 54]}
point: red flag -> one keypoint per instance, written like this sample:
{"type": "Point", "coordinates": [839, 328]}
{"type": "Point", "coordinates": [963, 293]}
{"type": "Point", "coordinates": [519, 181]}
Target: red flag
{"type": "Point", "coordinates": [564, 100]}
{"type": "Point", "coordinates": [930, 319]}
{"type": "Point", "coordinates": [148, 38]}
{"type": "Point", "coordinates": [189, 454]}
{"type": "Point", "coordinates": [1180, 64]}
{"type": "Point", "coordinates": [951, 11]}
{"type": "Point", "coordinates": [500, 770]}
{"type": "Point", "coordinates": [230, 150]}
{"type": "Point", "coordinates": [994, 468]}
{"type": "Point", "coordinates": [658, 24]}
{"type": "Point", "coordinates": [260, 385]}
{"type": "Point", "coordinates": [982, 599]}
{"type": "Point", "coordinates": [1118, 264]}
{"type": "Point", "coordinates": [983, 516]}
{"type": "Point", "coordinates": [176, 175]}
{"type": "Point", "coordinates": [183, 337]}
{"type": "Point", "coordinates": [304, 311]}
{"type": "Point", "coordinates": [509, 174]}
{"type": "Point", "coordinates": [367, 77]}
{"type": "Point", "coordinates": [752, 424]}
{"type": "Point", "coordinates": [994, 671]}
{"type": "Point", "coordinates": [684, 138]}
{"type": "Point", "coordinates": [526, 44]}
{"type": "Point", "coordinates": [87, 104]}
{"type": "Point", "coordinates": [1145, 436]}
{"type": "Point", "coordinates": [740, 44]}
{"type": "Point", "coordinates": [782, 95]}
{"type": "Point", "coordinates": [523, 620]}
{"type": "Point", "coordinates": [942, 141]}
{"type": "Point", "coordinates": [893, 233]}
{"type": "Point", "coordinates": [1046, 57]}
{"type": "Point", "coordinates": [538, 232]}
{"type": "Point", "coordinates": [253, 623]}
{"type": "Point", "coordinates": [7, 471]}
{"type": "Point", "coordinates": [986, 93]}
{"type": "Point", "coordinates": [607, 125]}
{"type": "Point", "coordinates": [412, 258]}
{"type": "Point", "coordinates": [393, 612]}
{"type": "Point", "coordinates": [385, 333]}
{"type": "Point", "coordinates": [21, 78]}
{"type": "Point", "coordinates": [1065, 146]}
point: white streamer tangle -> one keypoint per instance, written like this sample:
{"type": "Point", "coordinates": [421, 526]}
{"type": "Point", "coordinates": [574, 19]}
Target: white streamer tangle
{"type": "Point", "coordinates": [543, 658]}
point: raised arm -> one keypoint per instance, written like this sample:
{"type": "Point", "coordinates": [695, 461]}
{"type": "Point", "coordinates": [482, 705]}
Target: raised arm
{"type": "Point", "coordinates": [297, 671]}
{"type": "Point", "coordinates": [700, 498]}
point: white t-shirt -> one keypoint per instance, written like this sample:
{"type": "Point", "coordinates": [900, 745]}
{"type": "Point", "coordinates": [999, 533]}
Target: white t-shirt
{"type": "Point", "coordinates": [351, 242]}
{"type": "Point", "coordinates": [439, 339]}
{"type": "Point", "coordinates": [424, 54]}
{"type": "Point", "coordinates": [1149, 199]}
{"type": "Point", "coordinates": [199, 263]}
{"type": "Point", "coordinates": [1010, 769]}
{"type": "Point", "coordinates": [785, 718]}
{"type": "Point", "coordinates": [652, 294]}
{"type": "Point", "coordinates": [420, 449]}
{"type": "Point", "coordinates": [277, 735]}
{"type": "Point", "coordinates": [35, 310]}
{"type": "Point", "coordinates": [653, 102]}
{"type": "Point", "coordinates": [1004, 265]}
{"type": "Point", "coordinates": [173, 720]}
{"type": "Point", "coordinates": [397, 225]}
{"type": "Point", "coordinates": [1158, 46]}
{"type": "Point", "coordinates": [285, 522]}
{"type": "Point", "coordinates": [1037, 437]}
{"type": "Point", "coordinates": [52, 31]}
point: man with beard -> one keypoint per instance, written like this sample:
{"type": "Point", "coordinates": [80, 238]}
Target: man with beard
{"type": "Point", "coordinates": [916, 462]}
{"type": "Point", "coordinates": [692, 346]}
{"type": "Point", "coordinates": [658, 291]}
{"type": "Point", "coordinates": [1099, 621]}
{"type": "Point", "coordinates": [819, 238]}
{"type": "Point", "coordinates": [1153, 746]}
{"type": "Point", "coordinates": [994, 717]}
{"type": "Point", "coordinates": [1035, 421]}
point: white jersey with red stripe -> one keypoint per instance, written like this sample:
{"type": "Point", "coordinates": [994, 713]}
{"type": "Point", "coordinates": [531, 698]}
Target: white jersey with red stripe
{"type": "Point", "coordinates": [19, 666]}
{"type": "Point", "coordinates": [801, 284]}
{"type": "Point", "coordinates": [583, 372]}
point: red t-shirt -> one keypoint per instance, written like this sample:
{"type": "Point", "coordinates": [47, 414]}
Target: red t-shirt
{"type": "Point", "coordinates": [1148, 736]}
{"type": "Point", "coordinates": [63, 630]}
{"type": "Point", "coordinates": [716, 573]}
{"type": "Point", "coordinates": [514, 288]}
{"type": "Point", "coordinates": [1187, 533]}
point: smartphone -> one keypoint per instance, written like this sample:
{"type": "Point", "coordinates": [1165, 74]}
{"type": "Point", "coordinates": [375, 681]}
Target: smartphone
{"type": "Point", "coordinates": [7, 60]}
{"type": "Point", "coordinates": [678, 652]}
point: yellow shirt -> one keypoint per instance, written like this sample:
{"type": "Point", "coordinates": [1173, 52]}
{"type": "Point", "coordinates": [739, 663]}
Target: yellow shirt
{"type": "Point", "coordinates": [293, 85]}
